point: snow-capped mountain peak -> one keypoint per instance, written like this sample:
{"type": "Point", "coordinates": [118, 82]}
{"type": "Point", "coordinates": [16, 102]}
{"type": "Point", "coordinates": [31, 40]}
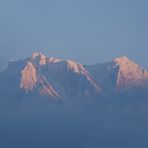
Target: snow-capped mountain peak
{"type": "Point", "coordinates": [41, 59]}
{"type": "Point", "coordinates": [38, 58]}
{"type": "Point", "coordinates": [125, 62]}
{"type": "Point", "coordinates": [119, 74]}
{"type": "Point", "coordinates": [37, 54]}
{"type": "Point", "coordinates": [122, 59]}
{"type": "Point", "coordinates": [129, 73]}
{"type": "Point", "coordinates": [41, 76]}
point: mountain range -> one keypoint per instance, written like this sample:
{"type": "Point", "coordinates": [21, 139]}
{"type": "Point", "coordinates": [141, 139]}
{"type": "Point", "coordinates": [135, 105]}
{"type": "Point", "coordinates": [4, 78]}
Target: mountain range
{"type": "Point", "coordinates": [57, 79]}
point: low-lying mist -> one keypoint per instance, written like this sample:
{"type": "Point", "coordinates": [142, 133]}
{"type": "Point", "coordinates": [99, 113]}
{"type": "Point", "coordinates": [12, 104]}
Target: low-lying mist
{"type": "Point", "coordinates": [75, 125]}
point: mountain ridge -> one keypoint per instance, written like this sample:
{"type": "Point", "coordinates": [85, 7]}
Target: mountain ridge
{"type": "Point", "coordinates": [57, 79]}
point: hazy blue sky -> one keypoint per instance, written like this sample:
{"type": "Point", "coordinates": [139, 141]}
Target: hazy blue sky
{"type": "Point", "coordinates": [89, 31]}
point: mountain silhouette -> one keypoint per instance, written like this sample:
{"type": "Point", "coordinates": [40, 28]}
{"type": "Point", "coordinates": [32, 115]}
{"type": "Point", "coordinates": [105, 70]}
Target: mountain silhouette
{"type": "Point", "coordinates": [39, 76]}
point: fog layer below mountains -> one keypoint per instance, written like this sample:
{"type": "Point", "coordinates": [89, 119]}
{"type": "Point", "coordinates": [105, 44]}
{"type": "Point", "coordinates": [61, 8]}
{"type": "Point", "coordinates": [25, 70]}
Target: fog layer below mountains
{"type": "Point", "coordinates": [75, 125]}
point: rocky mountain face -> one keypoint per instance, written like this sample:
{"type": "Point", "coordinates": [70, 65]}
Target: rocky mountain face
{"type": "Point", "coordinates": [57, 79]}
{"type": "Point", "coordinates": [43, 77]}
{"type": "Point", "coordinates": [119, 74]}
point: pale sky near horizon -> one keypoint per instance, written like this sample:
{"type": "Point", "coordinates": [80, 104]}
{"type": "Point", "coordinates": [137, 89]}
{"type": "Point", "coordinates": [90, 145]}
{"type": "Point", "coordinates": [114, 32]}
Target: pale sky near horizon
{"type": "Point", "coordinates": [88, 31]}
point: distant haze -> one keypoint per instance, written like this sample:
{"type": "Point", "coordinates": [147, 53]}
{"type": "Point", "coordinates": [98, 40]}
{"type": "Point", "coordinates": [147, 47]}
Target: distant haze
{"type": "Point", "coordinates": [89, 31]}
